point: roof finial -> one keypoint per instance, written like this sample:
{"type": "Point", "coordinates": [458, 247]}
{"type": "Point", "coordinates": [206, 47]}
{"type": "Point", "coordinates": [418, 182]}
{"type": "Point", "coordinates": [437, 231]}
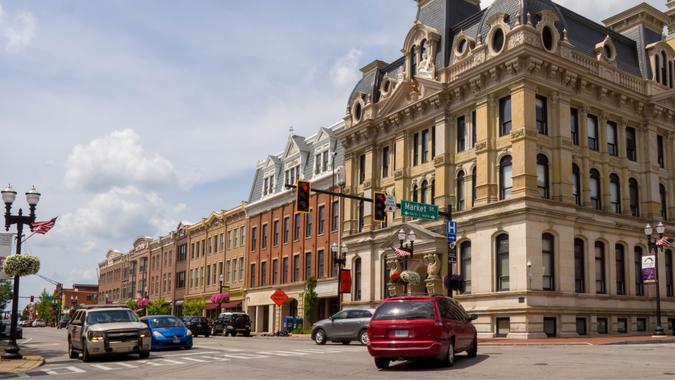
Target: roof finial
{"type": "Point", "coordinates": [529, 18]}
{"type": "Point", "coordinates": [290, 130]}
{"type": "Point", "coordinates": [518, 19]}
{"type": "Point", "coordinates": [565, 34]}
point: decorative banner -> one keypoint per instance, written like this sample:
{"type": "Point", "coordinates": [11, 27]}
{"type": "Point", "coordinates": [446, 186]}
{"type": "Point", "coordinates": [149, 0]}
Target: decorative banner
{"type": "Point", "coordinates": [345, 281]}
{"type": "Point", "coordinates": [6, 241]}
{"type": "Point", "coordinates": [649, 269]}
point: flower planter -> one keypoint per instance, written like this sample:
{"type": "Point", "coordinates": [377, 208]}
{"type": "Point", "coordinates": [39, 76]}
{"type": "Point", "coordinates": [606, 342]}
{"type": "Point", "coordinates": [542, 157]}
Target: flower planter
{"type": "Point", "coordinates": [21, 265]}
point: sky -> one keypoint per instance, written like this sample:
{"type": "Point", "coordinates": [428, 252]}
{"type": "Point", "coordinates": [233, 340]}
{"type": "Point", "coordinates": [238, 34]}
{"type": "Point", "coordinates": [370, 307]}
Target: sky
{"type": "Point", "coordinates": [130, 116]}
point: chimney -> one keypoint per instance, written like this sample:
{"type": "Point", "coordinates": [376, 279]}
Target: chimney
{"type": "Point", "coordinates": [640, 15]}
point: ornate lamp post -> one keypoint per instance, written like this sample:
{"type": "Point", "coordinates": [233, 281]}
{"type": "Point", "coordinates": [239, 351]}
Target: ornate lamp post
{"type": "Point", "coordinates": [660, 229]}
{"type": "Point", "coordinates": [340, 259]}
{"type": "Point", "coordinates": [408, 246]}
{"type": "Point", "coordinates": [8, 196]}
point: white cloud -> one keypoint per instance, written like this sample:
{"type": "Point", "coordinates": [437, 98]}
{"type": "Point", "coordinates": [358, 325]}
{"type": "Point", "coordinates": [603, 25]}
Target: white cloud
{"type": "Point", "coordinates": [345, 72]}
{"type": "Point", "coordinates": [116, 160]}
{"type": "Point", "coordinates": [16, 30]}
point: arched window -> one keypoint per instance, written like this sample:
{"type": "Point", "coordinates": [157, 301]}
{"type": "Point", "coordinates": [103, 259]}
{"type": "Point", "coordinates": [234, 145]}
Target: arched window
{"type": "Point", "coordinates": [664, 202]}
{"type": "Point", "coordinates": [357, 279]}
{"type": "Point", "coordinates": [579, 266]}
{"type": "Point", "coordinates": [473, 186]}
{"type": "Point", "coordinates": [505, 178]}
{"type": "Point", "coordinates": [639, 286]}
{"type": "Point", "coordinates": [433, 191]}
{"type": "Point", "coordinates": [465, 269]}
{"type": "Point", "coordinates": [414, 193]}
{"type": "Point", "coordinates": [619, 252]}
{"type": "Point", "coordinates": [413, 61]}
{"type": "Point", "coordinates": [595, 190]}
{"type": "Point", "coordinates": [548, 262]}
{"type": "Point", "coordinates": [424, 50]}
{"type": "Point", "coordinates": [424, 191]}
{"type": "Point", "coordinates": [600, 284]}
{"type": "Point", "coordinates": [502, 243]}
{"type": "Point", "coordinates": [615, 193]}
{"type": "Point", "coordinates": [576, 184]}
{"type": "Point", "coordinates": [542, 176]}
{"type": "Point", "coordinates": [634, 194]}
{"type": "Point", "coordinates": [669, 273]}
{"type": "Point", "coordinates": [657, 67]}
{"type": "Point", "coordinates": [671, 71]}
{"type": "Point", "coordinates": [460, 191]}
{"type": "Point", "coordinates": [664, 68]}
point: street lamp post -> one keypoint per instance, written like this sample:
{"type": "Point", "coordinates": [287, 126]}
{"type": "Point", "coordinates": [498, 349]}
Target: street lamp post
{"type": "Point", "coordinates": [660, 229]}
{"type": "Point", "coordinates": [220, 292]}
{"type": "Point", "coordinates": [408, 246]}
{"type": "Point", "coordinates": [340, 259]}
{"type": "Point", "coordinates": [8, 196]}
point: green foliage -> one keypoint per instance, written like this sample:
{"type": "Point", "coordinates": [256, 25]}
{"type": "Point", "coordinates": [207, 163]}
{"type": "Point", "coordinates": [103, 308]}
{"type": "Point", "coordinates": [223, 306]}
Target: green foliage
{"type": "Point", "coordinates": [5, 293]}
{"type": "Point", "coordinates": [45, 307]}
{"type": "Point", "coordinates": [21, 265]}
{"type": "Point", "coordinates": [158, 307]}
{"type": "Point", "coordinates": [194, 307]}
{"type": "Point", "coordinates": [311, 300]}
{"type": "Point", "coordinates": [302, 330]}
{"type": "Point", "coordinates": [132, 304]}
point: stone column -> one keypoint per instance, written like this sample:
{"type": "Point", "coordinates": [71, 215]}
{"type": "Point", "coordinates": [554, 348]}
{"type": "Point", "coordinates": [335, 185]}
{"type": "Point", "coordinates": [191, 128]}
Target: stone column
{"type": "Point", "coordinates": [443, 162]}
{"type": "Point", "coordinates": [524, 141]}
{"type": "Point", "coordinates": [401, 169]}
{"type": "Point", "coordinates": [486, 182]}
{"type": "Point", "coordinates": [560, 165]}
{"type": "Point", "coordinates": [368, 187]}
{"type": "Point", "coordinates": [351, 179]}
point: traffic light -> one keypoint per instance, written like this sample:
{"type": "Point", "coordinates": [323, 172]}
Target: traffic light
{"type": "Point", "coordinates": [302, 196]}
{"type": "Point", "coordinates": [380, 211]}
{"type": "Point", "coordinates": [32, 298]}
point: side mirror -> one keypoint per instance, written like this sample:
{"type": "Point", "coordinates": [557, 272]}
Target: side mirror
{"type": "Point", "coordinates": [473, 317]}
{"type": "Point", "coordinates": [331, 318]}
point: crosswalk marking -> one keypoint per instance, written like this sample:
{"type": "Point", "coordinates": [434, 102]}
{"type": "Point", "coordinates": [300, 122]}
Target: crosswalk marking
{"type": "Point", "coordinates": [152, 363]}
{"type": "Point", "coordinates": [172, 361]}
{"type": "Point", "coordinates": [283, 353]}
{"type": "Point", "coordinates": [101, 366]}
{"type": "Point", "coordinates": [318, 351]}
{"type": "Point", "coordinates": [127, 365]}
{"type": "Point", "coordinates": [216, 358]}
{"type": "Point", "coordinates": [245, 356]}
{"type": "Point", "coordinates": [196, 360]}
{"type": "Point", "coordinates": [57, 370]}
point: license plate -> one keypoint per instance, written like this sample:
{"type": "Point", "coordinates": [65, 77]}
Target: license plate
{"type": "Point", "coordinates": [176, 340]}
{"type": "Point", "coordinates": [401, 333]}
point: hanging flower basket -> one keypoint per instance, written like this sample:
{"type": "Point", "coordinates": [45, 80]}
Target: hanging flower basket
{"type": "Point", "coordinates": [411, 277]}
{"type": "Point", "coordinates": [21, 265]}
{"type": "Point", "coordinates": [455, 282]}
{"type": "Point", "coordinates": [143, 303]}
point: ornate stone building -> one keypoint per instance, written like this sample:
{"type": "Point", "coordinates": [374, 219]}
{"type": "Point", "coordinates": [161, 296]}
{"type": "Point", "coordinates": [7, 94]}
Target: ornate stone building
{"type": "Point", "coordinates": [552, 138]}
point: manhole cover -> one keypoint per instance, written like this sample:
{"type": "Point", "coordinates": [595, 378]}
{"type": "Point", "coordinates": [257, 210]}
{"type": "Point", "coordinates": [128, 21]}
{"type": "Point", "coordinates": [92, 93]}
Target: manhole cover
{"type": "Point", "coordinates": [540, 363]}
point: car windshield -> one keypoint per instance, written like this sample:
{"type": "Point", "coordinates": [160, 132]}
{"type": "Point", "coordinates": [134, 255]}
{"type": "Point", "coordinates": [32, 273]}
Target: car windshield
{"type": "Point", "coordinates": [405, 310]}
{"type": "Point", "coordinates": [165, 322]}
{"type": "Point", "coordinates": [111, 316]}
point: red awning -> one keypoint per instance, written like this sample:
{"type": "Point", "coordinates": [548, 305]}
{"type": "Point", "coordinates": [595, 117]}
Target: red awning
{"type": "Point", "coordinates": [232, 305]}
{"type": "Point", "coordinates": [212, 306]}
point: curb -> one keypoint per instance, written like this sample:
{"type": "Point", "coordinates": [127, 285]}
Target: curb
{"type": "Point", "coordinates": [28, 363]}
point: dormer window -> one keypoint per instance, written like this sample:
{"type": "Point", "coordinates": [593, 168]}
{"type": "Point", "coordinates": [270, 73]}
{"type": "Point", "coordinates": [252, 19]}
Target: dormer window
{"type": "Point", "coordinates": [663, 65]}
{"type": "Point", "coordinates": [413, 61]}
{"type": "Point", "coordinates": [321, 162]}
{"type": "Point", "coordinates": [292, 175]}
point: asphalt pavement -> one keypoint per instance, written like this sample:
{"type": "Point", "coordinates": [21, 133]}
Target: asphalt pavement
{"type": "Point", "coordinates": [283, 358]}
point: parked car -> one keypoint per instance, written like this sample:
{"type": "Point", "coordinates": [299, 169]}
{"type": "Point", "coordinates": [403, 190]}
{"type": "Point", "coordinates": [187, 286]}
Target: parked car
{"type": "Point", "coordinates": [168, 332]}
{"type": "Point", "coordinates": [198, 326]}
{"type": "Point", "coordinates": [39, 323]}
{"type": "Point", "coordinates": [232, 323]}
{"type": "Point", "coordinates": [421, 327]}
{"type": "Point", "coordinates": [26, 323]}
{"type": "Point", "coordinates": [62, 324]}
{"type": "Point", "coordinates": [5, 329]}
{"type": "Point", "coordinates": [344, 326]}
{"type": "Point", "coordinates": [100, 330]}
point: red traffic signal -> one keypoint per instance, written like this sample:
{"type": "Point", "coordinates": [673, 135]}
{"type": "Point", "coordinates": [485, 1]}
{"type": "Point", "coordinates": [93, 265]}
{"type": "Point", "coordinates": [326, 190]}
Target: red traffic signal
{"type": "Point", "coordinates": [302, 191]}
{"type": "Point", "coordinates": [379, 207]}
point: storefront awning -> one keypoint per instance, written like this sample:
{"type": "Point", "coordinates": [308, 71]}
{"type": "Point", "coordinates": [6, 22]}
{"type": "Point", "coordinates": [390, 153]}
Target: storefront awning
{"type": "Point", "coordinates": [211, 306]}
{"type": "Point", "coordinates": [232, 305]}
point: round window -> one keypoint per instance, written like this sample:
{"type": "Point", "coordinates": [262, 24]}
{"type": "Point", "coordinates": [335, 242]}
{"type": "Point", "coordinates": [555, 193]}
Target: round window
{"type": "Point", "coordinates": [357, 111]}
{"type": "Point", "coordinates": [608, 51]}
{"type": "Point", "coordinates": [461, 46]}
{"type": "Point", "coordinates": [547, 38]}
{"type": "Point", "coordinates": [498, 40]}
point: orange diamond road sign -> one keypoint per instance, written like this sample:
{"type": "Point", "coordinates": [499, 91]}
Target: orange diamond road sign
{"type": "Point", "coordinates": [279, 297]}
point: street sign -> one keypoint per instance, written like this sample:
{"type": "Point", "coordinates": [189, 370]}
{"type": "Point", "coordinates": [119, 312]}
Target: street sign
{"type": "Point", "coordinates": [452, 231]}
{"type": "Point", "coordinates": [390, 203]}
{"type": "Point", "coordinates": [419, 210]}
{"type": "Point", "coordinates": [279, 297]}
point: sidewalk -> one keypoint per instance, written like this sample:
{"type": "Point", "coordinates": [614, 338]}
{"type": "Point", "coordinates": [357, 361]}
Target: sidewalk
{"type": "Point", "coordinates": [28, 362]}
{"type": "Point", "coordinates": [588, 341]}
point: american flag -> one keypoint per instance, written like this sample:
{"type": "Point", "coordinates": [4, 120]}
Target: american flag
{"type": "Point", "coordinates": [665, 242]}
{"type": "Point", "coordinates": [400, 251]}
{"type": "Point", "coordinates": [43, 227]}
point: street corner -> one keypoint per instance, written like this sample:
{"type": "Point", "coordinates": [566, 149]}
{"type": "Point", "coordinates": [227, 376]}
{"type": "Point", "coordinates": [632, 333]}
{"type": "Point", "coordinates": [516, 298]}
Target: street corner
{"type": "Point", "coordinates": [25, 364]}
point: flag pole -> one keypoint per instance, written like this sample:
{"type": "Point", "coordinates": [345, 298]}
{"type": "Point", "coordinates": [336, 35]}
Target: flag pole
{"type": "Point", "coordinates": [28, 237]}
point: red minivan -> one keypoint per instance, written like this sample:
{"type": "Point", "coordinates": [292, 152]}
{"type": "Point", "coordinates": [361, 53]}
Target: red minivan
{"type": "Point", "coordinates": [413, 327]}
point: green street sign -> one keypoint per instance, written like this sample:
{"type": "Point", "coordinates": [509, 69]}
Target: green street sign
{"type": "Point", "coordinates": [419, 210]}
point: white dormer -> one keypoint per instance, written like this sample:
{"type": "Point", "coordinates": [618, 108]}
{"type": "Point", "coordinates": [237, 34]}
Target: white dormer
{"type": "Point", "coordinates": [270, 170]}
{"type": "Point", "coordinates": [324, 144]}
{"type": "Point", "coordinates": [294, 158]}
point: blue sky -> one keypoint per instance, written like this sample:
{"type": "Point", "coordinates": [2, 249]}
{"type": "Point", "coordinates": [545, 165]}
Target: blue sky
{"type": "Point", "coordinates": [130, 116]}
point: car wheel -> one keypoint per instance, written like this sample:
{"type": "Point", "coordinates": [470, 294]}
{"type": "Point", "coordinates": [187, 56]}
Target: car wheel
{"type": "Point", "coordinates": [346, 342]}
{"type": "Point", "coordinates": [144, 354]}
{"type": "Point", "coordinates": [188, 347]}
{"type": "Point", "coordinates": [320, 337]}
{"type": "Point", "coordinates": [233, 333]}
{"type": "Point", "coordinates": [363, 337]}
{"type": "Point", "coordinates": [85, 353]}
{"type": "Point", "coordinates": [450, 357]}
{"type": "Point", "coordinates": [72, 353]}
{"type": "Point", "coordinates": [382, 363]}
{"type": "Point", "coordinates": [247, 333]}
{"type": "Point", "coordinates": [473, 350]}
{"type": "Point", "coordinates": [207, 335]}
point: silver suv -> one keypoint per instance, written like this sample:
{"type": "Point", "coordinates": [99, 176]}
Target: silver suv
{"type": "Point", "coordinates": [105, 330]}
{"type": "Point", "coordinates": [344, 326]}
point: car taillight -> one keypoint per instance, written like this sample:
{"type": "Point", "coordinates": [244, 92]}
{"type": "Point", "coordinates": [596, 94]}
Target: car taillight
{"type": "Point", "coordinates": [438, 330]}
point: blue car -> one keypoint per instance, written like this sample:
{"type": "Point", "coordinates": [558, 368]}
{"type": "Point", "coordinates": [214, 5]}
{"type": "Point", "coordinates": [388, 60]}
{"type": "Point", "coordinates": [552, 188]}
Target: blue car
{"type": "Point", "coordinates": [168, 332]}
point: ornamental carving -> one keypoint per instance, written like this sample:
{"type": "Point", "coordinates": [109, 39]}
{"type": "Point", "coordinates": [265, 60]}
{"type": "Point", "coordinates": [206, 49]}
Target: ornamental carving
{"type": "Point", "coordinates": [517, 134]}
{"type": "Point", "coordinates": [481, 145]}
{"type": "Point", "coordinates": [398, 174]}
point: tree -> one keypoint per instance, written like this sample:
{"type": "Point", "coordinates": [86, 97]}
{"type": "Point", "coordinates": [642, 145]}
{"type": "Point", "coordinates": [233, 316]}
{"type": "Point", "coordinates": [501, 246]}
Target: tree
{"type": "Point", "coordinates": [194, 307]}
{"type": "Point", "coordinates": [5, 293]}
{"type": "Point", "coordinates": [158, 307]}
{"type": "Point", "coordinates": [311, 300]}
{"type": "Point", "coordinates": [45, 306]}
{"type": "Point", "coordinates": [132, 304]}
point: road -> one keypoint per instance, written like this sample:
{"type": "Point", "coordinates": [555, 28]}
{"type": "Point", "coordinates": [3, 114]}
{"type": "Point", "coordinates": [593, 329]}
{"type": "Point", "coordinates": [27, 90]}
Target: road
{"type": "Point", "coordinates": [288, 358]}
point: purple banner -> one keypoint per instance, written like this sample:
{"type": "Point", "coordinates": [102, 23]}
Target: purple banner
{"type": "Point", "coordinates": [649, 269]}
